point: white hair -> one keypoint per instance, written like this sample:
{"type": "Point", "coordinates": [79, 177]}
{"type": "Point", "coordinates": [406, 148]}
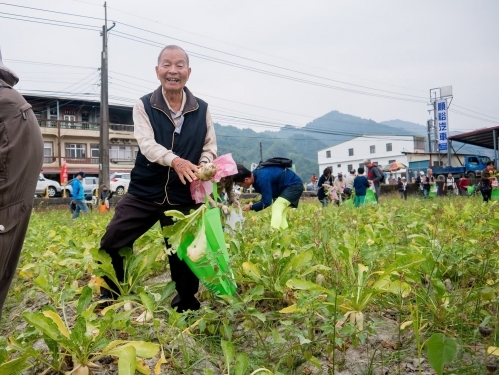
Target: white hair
{"type": "Point", "coordinates": [173, 47]}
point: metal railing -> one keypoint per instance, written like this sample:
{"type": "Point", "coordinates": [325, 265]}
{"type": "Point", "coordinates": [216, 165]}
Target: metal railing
{"type": "Point", "coordinates": [82, 125]}
{"type": "Point", "coordinates": [69, 161]}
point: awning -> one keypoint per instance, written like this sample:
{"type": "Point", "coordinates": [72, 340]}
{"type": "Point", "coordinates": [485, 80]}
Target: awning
{"type": "Point", "coordinates": [481, 137]}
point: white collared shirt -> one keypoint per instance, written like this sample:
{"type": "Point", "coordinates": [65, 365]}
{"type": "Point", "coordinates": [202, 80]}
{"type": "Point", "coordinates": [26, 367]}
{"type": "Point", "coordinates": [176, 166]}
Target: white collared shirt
{"type": "Point", "coordinates": [155, 152]}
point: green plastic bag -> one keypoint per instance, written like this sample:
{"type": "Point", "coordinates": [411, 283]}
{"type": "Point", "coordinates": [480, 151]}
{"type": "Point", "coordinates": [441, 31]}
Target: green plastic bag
{"type": "Point", "coordinates": [495, 195]}
{"type": "Point", "coordinates": [433, 191]}
{"type": "Point", "coordinates": [370, 197]}
{"type": "Point", "coordinates": [212, 269]}
{"type": "Point", "coordinates": [471, 189]}
{"type": "Point", "coordinates": [348, 202]}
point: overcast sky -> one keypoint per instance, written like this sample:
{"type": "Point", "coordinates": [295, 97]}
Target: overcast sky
{"type": "Point", "coordinates": [392, 48]}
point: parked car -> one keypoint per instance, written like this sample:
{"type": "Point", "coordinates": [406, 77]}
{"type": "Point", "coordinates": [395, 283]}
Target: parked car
{"type": "Point", "coordinates": [90, 186]}
{"type": "Point", "coordinates": [54, 188]}
{"type": "Point", "coordinates": [119, 182]}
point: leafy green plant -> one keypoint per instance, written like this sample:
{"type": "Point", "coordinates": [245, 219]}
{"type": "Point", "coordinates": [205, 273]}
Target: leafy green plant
{"type": "Point", "coordinates": [136, 267]}
{"type": "Point", "coordinates": [440, 351]}
{"type": "Point", "coordinates": [87, 340]}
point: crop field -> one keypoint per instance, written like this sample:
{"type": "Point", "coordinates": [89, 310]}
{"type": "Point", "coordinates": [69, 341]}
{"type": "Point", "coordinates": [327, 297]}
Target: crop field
{"type": "Point", "coordinates": [406, 287]}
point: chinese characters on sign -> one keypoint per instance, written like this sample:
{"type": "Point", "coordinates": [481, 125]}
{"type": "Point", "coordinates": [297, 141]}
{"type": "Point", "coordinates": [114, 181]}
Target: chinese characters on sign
{"type": "Point", "coordinates": [442, 124]}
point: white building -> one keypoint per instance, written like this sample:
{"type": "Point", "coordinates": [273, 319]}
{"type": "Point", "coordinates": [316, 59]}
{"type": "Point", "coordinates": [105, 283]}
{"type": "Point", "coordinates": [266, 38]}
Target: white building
{"type": "Point", "coordinates": [381, 149]}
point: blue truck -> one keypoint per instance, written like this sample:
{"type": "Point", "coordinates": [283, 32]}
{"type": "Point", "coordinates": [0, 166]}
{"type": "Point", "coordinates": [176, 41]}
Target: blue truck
{"type": "Point", "coordinates": [472, 167]}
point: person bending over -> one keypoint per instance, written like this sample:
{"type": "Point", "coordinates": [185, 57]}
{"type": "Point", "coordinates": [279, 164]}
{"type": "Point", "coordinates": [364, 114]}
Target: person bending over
{"type": "Point", "coordinates": [274, 183]}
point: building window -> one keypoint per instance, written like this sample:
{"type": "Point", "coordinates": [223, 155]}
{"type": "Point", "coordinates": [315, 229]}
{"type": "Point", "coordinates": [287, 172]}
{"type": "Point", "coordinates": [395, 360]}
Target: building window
{"type": "Point", "coordinates": [121, 153]}
{"type": "Point", "coordinates": [328, 154]}
{"type": "Point", "coordinates": [350, 152]}
{"type": "Point", "coordinates": [331, 167]}
{"type": "Point", "coordinates": [388, 147]}
{"type": "Point", "coordinates": [373, 149]}
{"type": "Point", "coordinates": [135, 151]}
{"type": "Point", "coordinates": [391, 161]}
{"type": "Point", "coordinates": [339, 165]}
{"type": "Point", "coordinates": [76, 150]}
{"type": "Point", "coordinates": [375, 162]}
{"type": "Point", "coordinates": [48, 152]}
{"type": "Point", "coordinates": [438, 163]}
{"type": "Point", "coordinates": [419, 143]}
{"type": "Point", "coordinates": [94, 153]}
{"type": "Point", "coordinates": [361, 165]}
{"type": "Point", "coordinates": [350, 167]}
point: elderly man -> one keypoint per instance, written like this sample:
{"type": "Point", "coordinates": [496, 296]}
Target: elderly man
{"type": "Point", "coordinates": [175, 135]}
{"type": "Point", "coordinates": [374, 175]}
{"type": "Point", "coordinates": [21, 158]}
{"type": "Point", "coordinates": [428, 181]}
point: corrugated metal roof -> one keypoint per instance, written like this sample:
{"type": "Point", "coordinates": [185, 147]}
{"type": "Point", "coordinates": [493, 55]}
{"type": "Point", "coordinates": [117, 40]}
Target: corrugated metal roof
{"type": "Point", "coordinates": [480, 137]}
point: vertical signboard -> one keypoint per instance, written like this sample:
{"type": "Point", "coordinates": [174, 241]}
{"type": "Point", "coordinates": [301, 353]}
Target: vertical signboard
{"type": "Point", "coordinates": [64, 174]}
{"type": "Point", "coordinates": [442, 125]}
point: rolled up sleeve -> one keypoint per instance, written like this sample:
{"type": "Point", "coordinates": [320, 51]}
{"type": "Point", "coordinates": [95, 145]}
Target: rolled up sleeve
{"type": "Point", "coordinates": [210, 143]}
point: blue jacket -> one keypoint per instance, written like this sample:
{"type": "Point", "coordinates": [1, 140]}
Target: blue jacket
{"type": "Point", "coordinates": [360, 184]}
{"type": "Point", "coordinates": [78, 193]}
{"type": "Point", "coordinates": [270, 182]}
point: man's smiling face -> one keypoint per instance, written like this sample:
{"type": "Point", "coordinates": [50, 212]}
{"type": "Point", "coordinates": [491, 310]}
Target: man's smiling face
{"type": "Point", "coordinates": [173, 71]}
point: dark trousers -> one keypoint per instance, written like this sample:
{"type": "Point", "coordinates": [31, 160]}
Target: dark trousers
{"type": "Point", "coordinates": [132, 218]}
{"type": "Point", "coordinates": [487, 195]}
{"type": "Point", "coordinates": [21, 158]}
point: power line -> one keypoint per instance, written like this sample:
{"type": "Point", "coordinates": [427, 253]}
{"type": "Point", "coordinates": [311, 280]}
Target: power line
{"type": "Point", "coordinates": [52, 11]}
{"type": "Point", "coordinates": [267, 64]}
{"type": "Point", "coordinates": [49, 64]}
{"type": "Point", "coordinates": [85, 27]}
{"type": "Point", "coordinates": [52, 24]}
{"type": "Point", "coordinates": [265, 72]}
{"type": "Point", "coordinates": [253, 50]}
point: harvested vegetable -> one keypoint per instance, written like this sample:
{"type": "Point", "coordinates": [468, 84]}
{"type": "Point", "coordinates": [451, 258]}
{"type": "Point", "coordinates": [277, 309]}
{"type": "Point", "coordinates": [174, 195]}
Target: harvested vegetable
{"type": "Point", "coordinates": [197, 249]}
{"type": "Point", "coordinates": [206, 172]}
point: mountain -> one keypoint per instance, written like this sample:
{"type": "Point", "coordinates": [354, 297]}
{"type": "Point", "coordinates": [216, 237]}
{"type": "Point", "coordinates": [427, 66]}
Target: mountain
{"type": "Point", "coordinates": [301, 144]}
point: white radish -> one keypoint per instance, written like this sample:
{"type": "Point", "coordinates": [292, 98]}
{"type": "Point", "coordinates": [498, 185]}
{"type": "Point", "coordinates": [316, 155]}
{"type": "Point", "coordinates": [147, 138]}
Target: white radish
{"type": "Point", "coordinates": [80, 370]}
{"type": "Point", "coordinates": [197, 248]}
{"type": "Point", "coordinates": [206, 171]}
{"type": "Point", "coordinates": [127, 306]}
{"type": "Point", "coordinates": [146, 316]}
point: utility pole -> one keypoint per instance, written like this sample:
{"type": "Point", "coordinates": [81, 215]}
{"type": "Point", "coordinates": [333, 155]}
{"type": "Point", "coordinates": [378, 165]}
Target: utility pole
{"type": "Point", "coordinates": [429, 126]}
{"type": "Point", "coordinates": [261, 152]}
{"type": "Point", "coordinates": [104, 108]}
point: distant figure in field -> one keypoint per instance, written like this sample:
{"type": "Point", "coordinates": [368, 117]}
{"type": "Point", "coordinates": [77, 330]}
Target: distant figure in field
{"type": "Point", "coordinates": [360, 184]}
{"type": "Point", "coordinates": [325, 179]}
{"type": "Point", "coordinates": [314, 180]}
{"type": "Point", "coordinates": [374, 175]}
{"type": "Point", "coordinates": [463, 185]}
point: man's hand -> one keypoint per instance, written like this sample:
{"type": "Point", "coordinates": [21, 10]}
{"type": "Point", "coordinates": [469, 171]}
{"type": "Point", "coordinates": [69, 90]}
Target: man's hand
{"type": "Point", "coordinates": [247, 207]}
{"type": "Point", "coordinates": [185, 169]}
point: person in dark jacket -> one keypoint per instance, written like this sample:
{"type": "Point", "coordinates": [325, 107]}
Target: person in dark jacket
{"type": "Point", "coordinates": [105, 196]}
{"type": "Point", "coordinates": [276, 184]}
{"type": "Point", "coordinates": [324, 179]}
{"type": "Point", "coordinates": [402, 187]}
{"type": "Point", "coordinates": [21, 159]}
{"type": "Point", "coordinates": [175, 134]}
{"type": "Point", "coordinates": [360, 184]}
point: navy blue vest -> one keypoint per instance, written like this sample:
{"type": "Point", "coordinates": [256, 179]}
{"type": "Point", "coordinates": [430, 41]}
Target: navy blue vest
{"type": "Point", "coordinates": [154, 182]}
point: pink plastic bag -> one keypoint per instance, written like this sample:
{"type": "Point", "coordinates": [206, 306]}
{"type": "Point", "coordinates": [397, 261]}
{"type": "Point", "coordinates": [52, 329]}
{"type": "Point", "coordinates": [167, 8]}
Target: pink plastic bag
{"type": "Point", "coordinates": [226, 166]}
